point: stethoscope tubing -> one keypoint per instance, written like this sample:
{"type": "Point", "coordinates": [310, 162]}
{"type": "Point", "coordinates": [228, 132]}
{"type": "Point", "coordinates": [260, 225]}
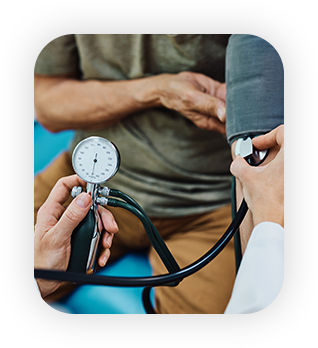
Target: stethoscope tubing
{"type": "Point", "coordinates": [150, 281]}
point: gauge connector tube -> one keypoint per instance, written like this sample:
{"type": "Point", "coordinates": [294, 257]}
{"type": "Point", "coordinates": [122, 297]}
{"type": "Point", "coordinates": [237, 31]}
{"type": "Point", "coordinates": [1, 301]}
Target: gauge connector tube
{"type": "Point", "coordinates": [102, 200]}
{"type": "Point", "coordinates": [104, 191]}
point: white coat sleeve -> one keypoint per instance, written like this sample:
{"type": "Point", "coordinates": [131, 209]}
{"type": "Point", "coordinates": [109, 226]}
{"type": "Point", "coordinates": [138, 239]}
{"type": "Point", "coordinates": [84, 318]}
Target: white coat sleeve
{"type": "Point", "coordinates": [261, 273]}
{"type": "Point", "coordinates": [37, 287]}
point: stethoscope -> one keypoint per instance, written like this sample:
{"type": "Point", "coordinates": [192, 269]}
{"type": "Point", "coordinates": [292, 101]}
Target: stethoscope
{"type": "Point", "coordinates": [96, 160]}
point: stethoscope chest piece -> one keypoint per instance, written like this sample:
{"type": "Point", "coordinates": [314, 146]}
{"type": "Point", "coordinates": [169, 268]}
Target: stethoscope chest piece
{"type": "Point", "coordinates": [254, 157]}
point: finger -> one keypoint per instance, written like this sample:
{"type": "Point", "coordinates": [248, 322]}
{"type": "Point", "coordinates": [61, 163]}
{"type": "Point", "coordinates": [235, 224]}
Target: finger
{"type": "Point", "coordinates": [53, 206]}
{"type": "Point", "coordinates": [209, 105]}
{"type": "Point", "coordinates": [220, 91]}
{"type": "Point", "coordinates": [103, 257]}
{"type": "Point", "coordinates": [271, 139]}
{"type": "Point", "coordinates": [215, 88]}
{"type": "Point", "coordinates": [208, 123]}
{"type": "Point", "coordinates": [107, 239]}
{"type": "Point", "coordinates": [216, 125]}
{"type": "Point", "coordinates": [239, 168]}
{"type": "Point", "coordinates": [108, 220]}
{"type": "Point", "coordinates": [216, 108]}
{"type": "Point", "coordinates": [74, 214]}
{"type": "Point", "coordinates": [62, 189]}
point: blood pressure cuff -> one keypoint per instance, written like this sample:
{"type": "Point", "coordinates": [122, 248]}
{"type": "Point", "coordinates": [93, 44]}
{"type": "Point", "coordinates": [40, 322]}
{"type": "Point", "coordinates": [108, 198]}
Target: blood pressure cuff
{"type": "Point", "coordinates": [254, 87]}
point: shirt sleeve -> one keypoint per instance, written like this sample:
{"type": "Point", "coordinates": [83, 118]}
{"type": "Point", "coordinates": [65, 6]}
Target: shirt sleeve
{"type": "Point", "coordinates": [261, 274]}
{"type": "Point", "coordinates": [60, 56]}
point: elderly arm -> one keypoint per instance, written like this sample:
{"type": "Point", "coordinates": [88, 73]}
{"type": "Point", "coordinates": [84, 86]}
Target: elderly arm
{"type": "Point", "coordinates": [64, 102]}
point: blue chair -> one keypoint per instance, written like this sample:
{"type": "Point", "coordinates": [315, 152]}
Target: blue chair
{"type": "Point", "coordinates": [89, 299]}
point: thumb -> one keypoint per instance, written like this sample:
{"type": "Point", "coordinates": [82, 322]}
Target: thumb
{"type": "Point", "coordinates": [239, 167]}
{"type": "Point", "coordinates": [74, 214]}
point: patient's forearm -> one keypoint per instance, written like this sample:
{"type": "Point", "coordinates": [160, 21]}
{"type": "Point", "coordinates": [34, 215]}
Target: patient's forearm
{"type": "Point", "coordinates": [65, 103]}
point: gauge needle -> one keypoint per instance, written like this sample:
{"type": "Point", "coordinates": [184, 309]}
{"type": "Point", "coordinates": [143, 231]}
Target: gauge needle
{"type": "Point", "coordinates": [94, 160]}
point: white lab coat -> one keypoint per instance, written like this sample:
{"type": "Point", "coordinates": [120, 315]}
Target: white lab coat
{"type": "Point", "coordinates": [261, 274]}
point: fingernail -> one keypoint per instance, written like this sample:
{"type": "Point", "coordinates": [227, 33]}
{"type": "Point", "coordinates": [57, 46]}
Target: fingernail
{"type": "Point", "coordinates": [115, 224]}
{"type": "Point", "coordinates": [83, 200]}
{"type": "Point", "coordinates": [221, 114]}
{"type": "Point", "coordinates": [104, 259]}
{"type": "Point", "coordinates": [109, 240]}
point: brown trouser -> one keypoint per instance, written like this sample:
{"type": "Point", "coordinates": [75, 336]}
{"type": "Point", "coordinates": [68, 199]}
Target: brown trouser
{"type": "Point", "coordinates": [188, 238]}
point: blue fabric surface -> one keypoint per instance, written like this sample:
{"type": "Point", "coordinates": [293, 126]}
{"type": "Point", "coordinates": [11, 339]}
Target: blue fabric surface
{"type": "Point", "coordinates": [48, 146]}
{"type": "Point", "coordinates": [90, 299]}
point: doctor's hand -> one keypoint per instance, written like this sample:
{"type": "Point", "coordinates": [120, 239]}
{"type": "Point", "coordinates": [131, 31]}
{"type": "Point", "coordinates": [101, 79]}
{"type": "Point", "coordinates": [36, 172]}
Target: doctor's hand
{"type": "Point", "coordinates": [196, 96]}
{"type": "Point", "coordinates": [54, 227]}
{"type": "Point", "coordinates": [263, 186]}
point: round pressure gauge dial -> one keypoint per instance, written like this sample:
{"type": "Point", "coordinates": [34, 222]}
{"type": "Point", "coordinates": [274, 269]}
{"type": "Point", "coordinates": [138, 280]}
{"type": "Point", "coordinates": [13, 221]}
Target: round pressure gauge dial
{"type": "Point", "coordinates": [95, 160]}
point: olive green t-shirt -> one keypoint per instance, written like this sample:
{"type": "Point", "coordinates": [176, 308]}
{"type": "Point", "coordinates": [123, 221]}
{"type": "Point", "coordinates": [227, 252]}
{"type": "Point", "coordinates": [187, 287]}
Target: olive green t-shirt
{"type": "Point", "coordinates": [168, 165]}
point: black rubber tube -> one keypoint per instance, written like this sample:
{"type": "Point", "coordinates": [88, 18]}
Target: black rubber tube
{"type": "Point", "coordinates": [152, 280]}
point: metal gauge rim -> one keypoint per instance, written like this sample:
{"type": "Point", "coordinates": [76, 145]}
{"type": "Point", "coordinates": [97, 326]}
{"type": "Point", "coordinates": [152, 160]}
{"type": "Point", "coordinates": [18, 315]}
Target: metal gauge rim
{"type": "Point", "coordinates": [96, 138]}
